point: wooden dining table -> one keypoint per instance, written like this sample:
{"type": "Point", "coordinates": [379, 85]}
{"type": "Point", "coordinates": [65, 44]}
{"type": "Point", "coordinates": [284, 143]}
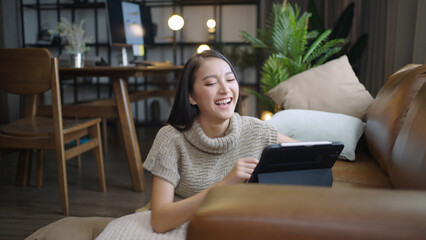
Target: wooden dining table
{"type": "Point", "coordinates": [118, 106]}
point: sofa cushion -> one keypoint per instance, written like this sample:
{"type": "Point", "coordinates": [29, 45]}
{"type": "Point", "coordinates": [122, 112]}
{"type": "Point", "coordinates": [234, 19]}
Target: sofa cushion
{"type": "Point", "coordinates": [331, 87]}
{"type": "Point", "coordinates": [309, 125]}
{"type": "Point", "coordinates": [363, 172]}
{"type": "Point", "coordinates": [407, 168]}
{"type": "Point", "coordinates": [389, 110]}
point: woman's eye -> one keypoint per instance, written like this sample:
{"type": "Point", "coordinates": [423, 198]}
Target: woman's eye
{"type": "Point", "coordinates": [230, 80]}
{"type": "Point", "coordinates": [210, 84]}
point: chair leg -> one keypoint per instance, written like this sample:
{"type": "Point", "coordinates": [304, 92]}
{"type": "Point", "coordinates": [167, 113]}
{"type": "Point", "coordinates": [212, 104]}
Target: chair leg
{"type": "Point", "coordinates": [40, 158]}
{"type": "Point", "coordinates": [77, 141]}
{"type": "Point", "coordinates": [62, 180]}
{"type": "Point", "coordinates": [23, 172]}
{"type": "Point", "coordinates": [95, 133]}
{"type": "Point", "coordinates": [105, 135]}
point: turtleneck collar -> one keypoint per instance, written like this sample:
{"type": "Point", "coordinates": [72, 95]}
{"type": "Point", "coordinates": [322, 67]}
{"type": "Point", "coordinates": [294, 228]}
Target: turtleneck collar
{"type": "Point", "coordinates": [196, 136]}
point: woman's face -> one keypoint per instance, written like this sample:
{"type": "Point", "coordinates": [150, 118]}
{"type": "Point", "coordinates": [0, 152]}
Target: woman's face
{"type": "Point", "coordinates": [215, 90]}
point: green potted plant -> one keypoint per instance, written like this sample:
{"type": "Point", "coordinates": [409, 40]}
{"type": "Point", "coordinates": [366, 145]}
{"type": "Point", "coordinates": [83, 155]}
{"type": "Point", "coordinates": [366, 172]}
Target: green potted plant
{"type": "Point", "coordinates": [75, 40]}
{"type": "Point", "coordinates": [291, 48]}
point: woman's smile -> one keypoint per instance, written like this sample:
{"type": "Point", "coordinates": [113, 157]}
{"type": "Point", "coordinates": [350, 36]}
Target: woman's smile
{"type": "Point", "coordinates": [224, 102]}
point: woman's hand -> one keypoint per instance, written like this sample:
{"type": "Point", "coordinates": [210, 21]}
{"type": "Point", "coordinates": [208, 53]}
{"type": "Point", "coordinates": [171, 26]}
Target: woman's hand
{"type": "Point", "coordinates": [242, 171]}
{"type": "Point", "coordinates": [284, 139]}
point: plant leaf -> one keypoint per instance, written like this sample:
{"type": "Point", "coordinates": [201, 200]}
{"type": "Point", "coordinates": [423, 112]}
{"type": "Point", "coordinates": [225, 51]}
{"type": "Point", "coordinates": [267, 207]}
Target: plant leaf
{"type": "Point", "coordinates": [265, 103]}
{"type": "Point", "coordinates": [255, 42]}
{"type": "Point", "coordinates": [316, 44]}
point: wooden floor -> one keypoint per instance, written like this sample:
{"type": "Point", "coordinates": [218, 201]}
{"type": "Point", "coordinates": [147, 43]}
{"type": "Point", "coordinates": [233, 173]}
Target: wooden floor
{"type": "Point", "coordinates": [23, 210]}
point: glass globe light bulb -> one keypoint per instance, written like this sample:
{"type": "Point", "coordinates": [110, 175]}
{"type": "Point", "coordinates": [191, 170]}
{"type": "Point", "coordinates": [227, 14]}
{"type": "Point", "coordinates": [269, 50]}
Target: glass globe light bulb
{"type": "Point", "coordinates": [202, 48]}
{"type": "Point", "coordinates": [176, 22]}
{"type": "Point", "coordinates": [211, 23]}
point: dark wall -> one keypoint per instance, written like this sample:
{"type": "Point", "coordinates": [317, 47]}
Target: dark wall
{"type": "Point", "coordinates": [10, 26]}
{"type": "Point", "coordinates": [1, 26]}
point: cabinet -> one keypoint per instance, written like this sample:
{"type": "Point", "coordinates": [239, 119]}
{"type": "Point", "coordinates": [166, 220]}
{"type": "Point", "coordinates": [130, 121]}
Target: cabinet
{"type": "Point", "coordinates": [231, 16]}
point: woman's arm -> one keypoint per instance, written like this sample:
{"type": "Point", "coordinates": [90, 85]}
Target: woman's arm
{"type": "Point", "coordinates": [284, 139]}
{"type": "Point", "coordinates": [167, 215]}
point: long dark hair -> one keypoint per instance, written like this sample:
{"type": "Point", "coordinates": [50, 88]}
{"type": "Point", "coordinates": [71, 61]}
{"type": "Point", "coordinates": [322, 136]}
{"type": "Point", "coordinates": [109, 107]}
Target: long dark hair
{"type": "Point", "coordinates": [183, 113]}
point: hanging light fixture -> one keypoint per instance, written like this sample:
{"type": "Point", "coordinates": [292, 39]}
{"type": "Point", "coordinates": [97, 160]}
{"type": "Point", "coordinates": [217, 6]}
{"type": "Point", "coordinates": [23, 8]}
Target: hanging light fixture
{"type": "Point", "coordinates": [211, 23]}
{"type": "Point", "coordinates": [176, 22]}
{"type": "Point", "coordinates": [202, 48]}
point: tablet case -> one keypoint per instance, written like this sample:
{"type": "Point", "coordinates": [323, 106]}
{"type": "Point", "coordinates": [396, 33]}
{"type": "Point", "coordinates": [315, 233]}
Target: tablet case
{"type": "Point", "coordinates": [311, 177]}
{"type": "Point", "coordinates": [303, 163]}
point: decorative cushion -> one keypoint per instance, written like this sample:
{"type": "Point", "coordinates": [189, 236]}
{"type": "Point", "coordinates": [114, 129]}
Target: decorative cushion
{"type": "Point", "coordinates": [331, 87]}
{"type": "Point", "coordinates": [72, 228]}
{"type": "Point", "coordinates": [310, 125]}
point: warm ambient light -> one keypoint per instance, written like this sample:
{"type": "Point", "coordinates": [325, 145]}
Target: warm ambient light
{"type": "Point", "coordinates": [202, 48]}
{"type": "Point", "coordinates": [266, 115]}
{"type": "Point", "coordinates": [176, 22]}
{"type": "Point", "coordinates": [136, 29]}
{"type": "Point", "coordinates": [211, 23]}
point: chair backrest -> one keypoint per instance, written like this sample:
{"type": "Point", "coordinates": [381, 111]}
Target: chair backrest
{"type": "Point", "coordinates": [30, 72]}
{"type": "Point", "coordinates": [16, 65]}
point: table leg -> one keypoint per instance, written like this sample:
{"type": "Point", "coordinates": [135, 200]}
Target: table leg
{"type": "Point", "coordinates": [127, 124]}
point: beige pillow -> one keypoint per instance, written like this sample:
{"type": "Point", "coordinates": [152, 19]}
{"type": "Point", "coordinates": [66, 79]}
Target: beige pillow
{"type": "Point", "coordinates": [72, 228]}
{"type": "Point", "coordinates": [331, 87]}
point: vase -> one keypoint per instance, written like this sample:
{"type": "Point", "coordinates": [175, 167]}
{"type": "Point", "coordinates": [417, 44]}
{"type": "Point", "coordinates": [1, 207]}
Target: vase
{"type": "Point", "coordinates": [77, 60]}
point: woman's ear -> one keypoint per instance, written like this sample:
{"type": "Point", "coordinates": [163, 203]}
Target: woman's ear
{"type": "Point", "coordinates": [192, 100]}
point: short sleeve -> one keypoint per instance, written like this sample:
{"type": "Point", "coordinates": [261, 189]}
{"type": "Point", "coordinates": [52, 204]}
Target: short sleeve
{"type": "Point", "coordinates": [162, 160]}
{"type": "Point", "coordinates": [273, 133]}
{"type": "Point", "coordinates": [266, 133]}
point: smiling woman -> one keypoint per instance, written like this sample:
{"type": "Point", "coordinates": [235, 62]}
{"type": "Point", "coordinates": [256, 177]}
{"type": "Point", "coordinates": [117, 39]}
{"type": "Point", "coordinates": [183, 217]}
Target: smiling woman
{"type": "Point", "coordinates": [205, 144]}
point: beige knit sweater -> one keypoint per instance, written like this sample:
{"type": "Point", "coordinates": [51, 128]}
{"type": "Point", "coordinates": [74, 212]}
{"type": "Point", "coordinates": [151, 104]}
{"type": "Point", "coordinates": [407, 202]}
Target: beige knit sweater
{"type": "Point", "coordinates": [191, 161]}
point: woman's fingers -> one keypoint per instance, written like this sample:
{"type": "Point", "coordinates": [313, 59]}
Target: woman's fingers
{"type": "Point", "coordinates": [249, 163]}
{"type": "Point", "coordinates": [242, 170]}
{"type": "Point", "coordinates": [245, 167]}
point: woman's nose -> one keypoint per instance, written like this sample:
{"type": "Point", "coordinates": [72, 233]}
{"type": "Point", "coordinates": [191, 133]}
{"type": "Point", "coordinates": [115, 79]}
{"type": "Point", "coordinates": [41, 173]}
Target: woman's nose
{"type": "Point", "coordinates": [224, 88]}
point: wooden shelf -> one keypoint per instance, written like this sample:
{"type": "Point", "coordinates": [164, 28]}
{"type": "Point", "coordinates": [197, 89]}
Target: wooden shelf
{"type": "Point", "coordinates": [55, 6]}
{"type": "Point", "coordinates": [198, 43]}
{"type": "Point", "coordinates": [63, 45]}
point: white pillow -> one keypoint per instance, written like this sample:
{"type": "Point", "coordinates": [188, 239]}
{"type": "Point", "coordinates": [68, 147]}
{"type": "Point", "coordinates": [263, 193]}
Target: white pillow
{"type": "Point", "coordinates": [310, 125]}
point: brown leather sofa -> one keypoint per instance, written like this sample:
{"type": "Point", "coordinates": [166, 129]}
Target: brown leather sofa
{"type": "Point", "coordinates": [381, 195]}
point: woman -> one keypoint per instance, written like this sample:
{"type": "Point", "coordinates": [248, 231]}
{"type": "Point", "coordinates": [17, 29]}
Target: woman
{"type": "Point", "coordinates": [205, 144]}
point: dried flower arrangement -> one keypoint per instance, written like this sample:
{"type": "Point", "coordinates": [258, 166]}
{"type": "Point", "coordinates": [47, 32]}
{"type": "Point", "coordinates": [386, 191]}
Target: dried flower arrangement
{"type": "Point", "coordinates": [73, 34]}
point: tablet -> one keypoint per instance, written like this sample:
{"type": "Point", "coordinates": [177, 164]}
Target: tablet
{"type": "Point", "coordinates": [297, 163]}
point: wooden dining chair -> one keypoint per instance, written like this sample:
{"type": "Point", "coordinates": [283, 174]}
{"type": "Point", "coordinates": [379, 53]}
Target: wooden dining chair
{"type": "Point", "coordinates": [31, 72]}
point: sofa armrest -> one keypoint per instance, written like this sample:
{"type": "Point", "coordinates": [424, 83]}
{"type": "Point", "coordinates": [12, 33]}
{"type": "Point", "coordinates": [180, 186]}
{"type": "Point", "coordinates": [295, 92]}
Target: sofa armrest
{"type": "Point", "coordinates": [252, 211]}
